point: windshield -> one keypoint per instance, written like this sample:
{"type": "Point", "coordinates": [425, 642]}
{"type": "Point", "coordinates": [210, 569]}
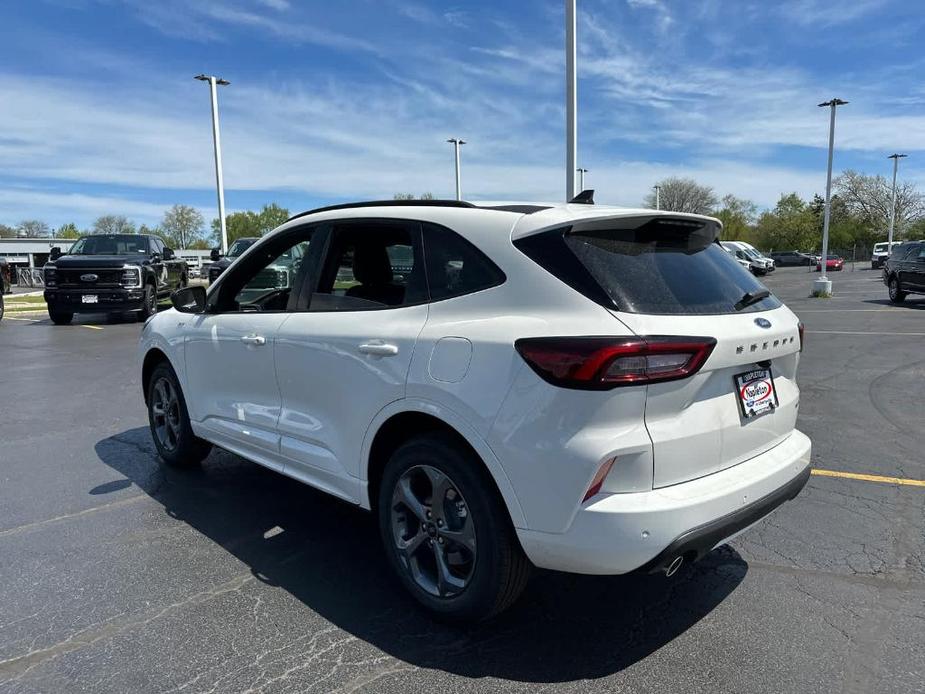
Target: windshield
{"type": "Point", "coordinates": [110, 244]}
{"type": "Point", "coordinates": [239, 246]}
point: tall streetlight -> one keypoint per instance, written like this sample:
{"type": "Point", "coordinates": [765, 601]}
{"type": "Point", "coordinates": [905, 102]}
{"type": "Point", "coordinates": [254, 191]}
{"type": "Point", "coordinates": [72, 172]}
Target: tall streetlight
{"type": "Point", "coordinates": [571, 101]}
{"type": "Point", "coordinates": [895, 158]}
{"type": "Point", "coordinates": [456, 143]}
{"type": "Point", "coordinates": [217, 142]}
{"type": "Point", "coordinates": [823, 285]}
{"type": "Point", "coordinates": [658, 198]}
{"type": "Point", "coordinates": [581, 178]}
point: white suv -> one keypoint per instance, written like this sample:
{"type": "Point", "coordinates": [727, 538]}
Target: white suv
{"type": "Point", "coordinates": [576, 387]}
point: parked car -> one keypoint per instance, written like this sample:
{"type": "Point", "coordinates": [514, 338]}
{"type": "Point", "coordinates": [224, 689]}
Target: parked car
{"type": "Point", "coordinates": [111, 273]}
{"type": "Point", "coordinates": [904, 271]}
{"type": "Point", "coordinates": [739, 257]}
{"type": "Point", "coordinates": [833, 262]}
{"type": "Point", "coordinates": [220, 263]}
{"type": "Point", "coordinates": [881, 252]}
{"type": "Point", "coordinates": [754, 252]}
{"type": "Point", "coordinates": [577, 387]}
{"type": "Point", "coordinates": [757, 264]}
{"type": "Point", "coordinates": [793, 258]}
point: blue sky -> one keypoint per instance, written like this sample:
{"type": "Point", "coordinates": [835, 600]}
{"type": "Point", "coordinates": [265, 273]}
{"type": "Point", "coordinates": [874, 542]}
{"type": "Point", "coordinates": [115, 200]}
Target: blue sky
{"type": "Point", "coordinates": [334, 101]}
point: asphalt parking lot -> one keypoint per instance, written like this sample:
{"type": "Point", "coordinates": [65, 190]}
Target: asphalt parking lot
{"type": "Point", "coordinates": [119, 576]}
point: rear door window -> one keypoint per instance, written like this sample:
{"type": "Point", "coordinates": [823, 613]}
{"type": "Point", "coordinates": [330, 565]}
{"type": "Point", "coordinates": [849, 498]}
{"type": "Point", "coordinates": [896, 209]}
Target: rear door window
{"type": "Point", "coordinates": [659, 266]}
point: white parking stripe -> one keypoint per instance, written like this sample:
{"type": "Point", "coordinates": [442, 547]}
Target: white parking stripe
{"type": "Point", "coordinates": [850, 332]}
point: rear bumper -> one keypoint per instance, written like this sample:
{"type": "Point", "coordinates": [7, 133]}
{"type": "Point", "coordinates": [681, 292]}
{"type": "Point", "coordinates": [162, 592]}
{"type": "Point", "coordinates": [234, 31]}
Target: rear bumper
{"type": "Point", "coordinates": [619, 533]}
{"type": "Point", "coordinates": [108, 300]}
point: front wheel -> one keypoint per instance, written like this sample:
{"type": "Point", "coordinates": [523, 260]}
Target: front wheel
{"type": "Point", "coordinates": [896, 296]}
{"type": "Point", "coordinates": [447, 533]}
{"type": "Point", "coordinates": [168, 418]}
{"type": "Point", "coordinates": [1, 302]}
{"type": "Point", "coordinates": [60, 317]}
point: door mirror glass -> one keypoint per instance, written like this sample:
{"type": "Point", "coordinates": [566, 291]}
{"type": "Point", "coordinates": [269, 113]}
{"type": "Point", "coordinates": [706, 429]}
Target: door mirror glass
{"type": "Point", "coordinates": [189, 299]}
{"type": "Point", "coordinates": [169, 254]}
{"type": "Point", "coordinates": [215, 255]}
{"type": "Point", "coordinates": [55, 253]}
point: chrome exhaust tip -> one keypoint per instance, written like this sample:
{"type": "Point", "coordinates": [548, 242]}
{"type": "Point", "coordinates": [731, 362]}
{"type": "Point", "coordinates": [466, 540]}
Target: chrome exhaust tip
{"type": "Point", "coordinates": [673, 567]}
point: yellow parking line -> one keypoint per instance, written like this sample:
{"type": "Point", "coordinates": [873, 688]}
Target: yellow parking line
{"type": "Point", "coordinates": [92, 327]}
{"type": "Point", "coordinates": [869, 478]}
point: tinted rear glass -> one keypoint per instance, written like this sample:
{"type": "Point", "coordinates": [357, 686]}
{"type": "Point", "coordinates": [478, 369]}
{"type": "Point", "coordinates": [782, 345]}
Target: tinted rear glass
{"type": "Point", "coordinates": [660, 268]}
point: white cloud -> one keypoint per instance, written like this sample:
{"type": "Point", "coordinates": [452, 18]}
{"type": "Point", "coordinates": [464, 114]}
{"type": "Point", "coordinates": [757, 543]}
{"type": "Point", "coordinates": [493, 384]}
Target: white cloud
{"type": "Point", "coordinates": [59, 208]}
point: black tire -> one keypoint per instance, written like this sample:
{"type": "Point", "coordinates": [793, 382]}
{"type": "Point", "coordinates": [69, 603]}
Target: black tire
{"type": "Point", "coordinates": [148, 303]}
{"type": "Point", "coordinates": [183, 448]}
{"type": "Point", "coordinates": [60, 317]}
{"type": "Point", "coordinates": [896, 296]}
{"type": "Point", "coordinates": [499, 568]}
{"type": "Point", "coordinates": [1, 303]}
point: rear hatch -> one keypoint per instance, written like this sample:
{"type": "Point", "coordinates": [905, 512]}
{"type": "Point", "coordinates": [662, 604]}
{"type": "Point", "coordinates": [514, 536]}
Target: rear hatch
{"type": "Point", "coordinates": [667, 276]}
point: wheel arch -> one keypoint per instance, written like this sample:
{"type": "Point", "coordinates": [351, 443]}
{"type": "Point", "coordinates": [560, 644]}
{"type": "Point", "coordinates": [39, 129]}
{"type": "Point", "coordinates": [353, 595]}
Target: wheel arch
{"type": "Point", "coordinates": [403, 420]}
{"type": "Point", "coordinates": [153, 357]}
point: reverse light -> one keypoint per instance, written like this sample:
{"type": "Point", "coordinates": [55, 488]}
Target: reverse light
{"type": "Point", "coordinates": [598, 480]}
{"type": "Point", "coordinates": [601, 363]}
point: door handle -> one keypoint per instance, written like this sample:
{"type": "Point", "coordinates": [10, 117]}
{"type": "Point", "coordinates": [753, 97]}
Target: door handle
{"type": "Point", "coordinates": [253, 340]}
{"type": "Point", "coordinates": [379, 349]}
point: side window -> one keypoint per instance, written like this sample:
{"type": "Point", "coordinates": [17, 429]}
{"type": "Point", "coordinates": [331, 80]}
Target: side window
{"type": "Point", "coordinates": [454, 266]}
{"type": "Point", "coordinates": [272, 277]}
{"type": "Point", "coordinates": [157, 246]}
{"type": "Point", "coordinates": [371, 265]}
{"type": "Point", "coordinates": [921, 254]}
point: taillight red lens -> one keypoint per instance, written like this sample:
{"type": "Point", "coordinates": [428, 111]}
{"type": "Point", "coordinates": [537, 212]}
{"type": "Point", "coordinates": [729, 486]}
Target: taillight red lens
{"type": "Point", "coordinates": [600, 363]}
{"type": "Point", "coordinates": [802, 329]}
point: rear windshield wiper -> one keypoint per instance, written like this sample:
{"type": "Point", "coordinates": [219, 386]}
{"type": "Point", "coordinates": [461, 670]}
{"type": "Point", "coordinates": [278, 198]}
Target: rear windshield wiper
{"type": "Point", "coordinates": [751, 298]}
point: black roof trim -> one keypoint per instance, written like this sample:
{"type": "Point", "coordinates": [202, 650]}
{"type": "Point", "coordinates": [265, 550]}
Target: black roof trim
{"type": "Point", "coordinates": [522, 209]}
{"type": "Point", "coordinates": [385, 203]}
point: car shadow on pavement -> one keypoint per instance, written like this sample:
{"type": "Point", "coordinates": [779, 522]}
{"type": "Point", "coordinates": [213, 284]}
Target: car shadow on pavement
{"type": "Point", "coordinates": [911, 302]}
{"type": "Point", "coordinates": [328, 556]}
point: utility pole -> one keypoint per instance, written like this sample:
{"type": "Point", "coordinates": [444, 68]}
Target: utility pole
{"type": "Point", "coordinates": [823, 285]}
{"type": "Point", "coordinates": [581, 179]}
{"type": "Point", "coordinates": [658, 198]}
{"type": "Point", "coordinates": [456, 142]}
{"type": "Point", "coordinates": [571, 101]}
{"type": "Point", "coordinates": [217, 143]}
{"type": "Point", "coordinates": [895, 158]}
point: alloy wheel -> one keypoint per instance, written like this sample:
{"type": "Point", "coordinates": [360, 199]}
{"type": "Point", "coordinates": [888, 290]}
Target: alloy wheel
{"type": "Point", "coordinates": [165, 413]}
{"type": "Point", "coordinates": [894, 288]}
{"type": "Point", "coordinates": [433, 531]}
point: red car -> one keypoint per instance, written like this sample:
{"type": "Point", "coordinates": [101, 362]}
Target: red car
{"type": "Point", "coordinates": [833, 263]}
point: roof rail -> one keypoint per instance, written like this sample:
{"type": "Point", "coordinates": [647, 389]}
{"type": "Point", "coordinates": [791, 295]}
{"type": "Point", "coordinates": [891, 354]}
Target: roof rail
{"type": "Point", "coordinates": [385, 203]}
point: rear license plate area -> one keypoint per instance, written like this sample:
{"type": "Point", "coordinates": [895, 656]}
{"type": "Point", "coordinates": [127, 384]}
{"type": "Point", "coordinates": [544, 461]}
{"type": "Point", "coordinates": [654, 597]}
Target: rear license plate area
{"type": "Point", "coordinates": [755, 392]}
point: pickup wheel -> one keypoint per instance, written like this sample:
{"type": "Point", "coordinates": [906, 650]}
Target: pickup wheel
{"type": "Point", "coordinates": [149, 303]}
{"type": "Point", "coordinates": [60, 317]}
{"type": "Point", "coordinates": [168, 418]}
{"type": "Point", "coordinates": [447, 533]}
{"type": "Point", "coordinates": [896, 296]}
{"type": "Point", "coordinates": [1, 302]}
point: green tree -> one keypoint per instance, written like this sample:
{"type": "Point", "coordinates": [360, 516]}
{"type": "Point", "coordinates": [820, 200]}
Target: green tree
{"type": "Point", "coordinates": [182, 225]}
{"type": "Point", "coordinates": [791, 225]}
{"type": "Point", "coordinates": [113, 224]}
{"type": "Point", "coordinates": [67, 231]}
{"type": "Point", "coordinates": [410, 196]}
{"type": "Point", "coordinates": [7, 232]}
{"type": "Point", "coordinates": [870, 199]}
{"type": "Point", "coordinates": [738, 217]}
{"type": "Point", "coordinates": [250, 223]}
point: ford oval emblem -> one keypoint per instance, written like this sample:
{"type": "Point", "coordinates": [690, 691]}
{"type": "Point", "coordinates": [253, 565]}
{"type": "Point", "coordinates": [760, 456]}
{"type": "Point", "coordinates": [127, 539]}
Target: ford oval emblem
{"type": "Point", "coordinates": [762, 322]}
{"type": "Point", "coordinates": [89, 278]}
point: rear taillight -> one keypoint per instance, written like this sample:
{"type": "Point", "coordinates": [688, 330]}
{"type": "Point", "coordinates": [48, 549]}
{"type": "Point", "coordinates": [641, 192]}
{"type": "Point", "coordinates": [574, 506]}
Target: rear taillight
{"type": "Point", "coordinates": [600, 363]}
{"type": "Point", "coordinates": [802, 329]}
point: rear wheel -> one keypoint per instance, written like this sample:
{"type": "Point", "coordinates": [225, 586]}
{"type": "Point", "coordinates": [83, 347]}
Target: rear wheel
{"type": "Point", "coordinates": [896, 296]}
{"type": "Point", "coordinates": [168, 418]}
{"type": "Point", "coordinates": [60, 317]}
{"type": "Point", "coordinates": [447, 533]}
{"type": "Point", "coordinates": [1, 301]}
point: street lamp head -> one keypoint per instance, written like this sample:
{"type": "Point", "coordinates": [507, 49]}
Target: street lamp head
{"type": "Point", "coordinates": [833, 102]}
{"type": "Point", "coordinates": [456, 141]}
{"type": "Point", "coordinates": [897, 156]}
{"type": "Point", "coordinates": [202, 78]}
{"type": "Point", "coordinates": [207, 78]}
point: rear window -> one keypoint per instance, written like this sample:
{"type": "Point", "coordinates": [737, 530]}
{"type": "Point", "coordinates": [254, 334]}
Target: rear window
{"type": "Point", "coordinates": [660, 267]}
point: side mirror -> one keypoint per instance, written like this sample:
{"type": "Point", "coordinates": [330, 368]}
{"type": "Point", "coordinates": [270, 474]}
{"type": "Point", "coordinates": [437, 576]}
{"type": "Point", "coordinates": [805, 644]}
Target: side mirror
{"type": "Point", "coordinates": [169, 254]}
{"type": "Point", "coordinates": [55, 253]}
{"type": "Point", "coordinates": [215, 255]}
{"type": "Point", "coordinates": [189, 299]}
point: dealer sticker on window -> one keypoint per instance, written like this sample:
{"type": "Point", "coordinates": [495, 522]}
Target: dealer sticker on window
{"type": "Point", "coordinates": [756, 392]}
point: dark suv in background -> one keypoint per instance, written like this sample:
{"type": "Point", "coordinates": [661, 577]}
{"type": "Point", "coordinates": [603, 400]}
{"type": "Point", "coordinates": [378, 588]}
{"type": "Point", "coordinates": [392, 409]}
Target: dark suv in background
{"type": "Point", "coordinates": [111, 273]}
{"type": "Point", "coordinates": [219, 263]}
{"type": "Point", "coordinates": [791, 258]}
{"type": "Point", "coordinates": [904, 270]}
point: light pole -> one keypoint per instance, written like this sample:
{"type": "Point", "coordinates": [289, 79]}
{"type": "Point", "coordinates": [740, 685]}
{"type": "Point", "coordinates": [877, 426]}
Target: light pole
{"type": "Point", "coordinates": [456, 143]}
{"type": "Point", "coordinates": [895, 158]}
{"type": "Point", "coordinates": [658, 199]}
{"type": "Point", "coordinates": [823, 285]}
{"type": "Point", "coordinates": [571, 101]}
{"type": "Point", "coordinates": [217, 142]}
{"type": "Point", "coordinates": [581, 179]}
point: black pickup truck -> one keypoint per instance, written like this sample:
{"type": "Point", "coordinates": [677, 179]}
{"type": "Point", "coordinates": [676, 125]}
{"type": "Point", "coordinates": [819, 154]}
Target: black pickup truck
{"type": "Point", "coordinates": [111, 273]}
